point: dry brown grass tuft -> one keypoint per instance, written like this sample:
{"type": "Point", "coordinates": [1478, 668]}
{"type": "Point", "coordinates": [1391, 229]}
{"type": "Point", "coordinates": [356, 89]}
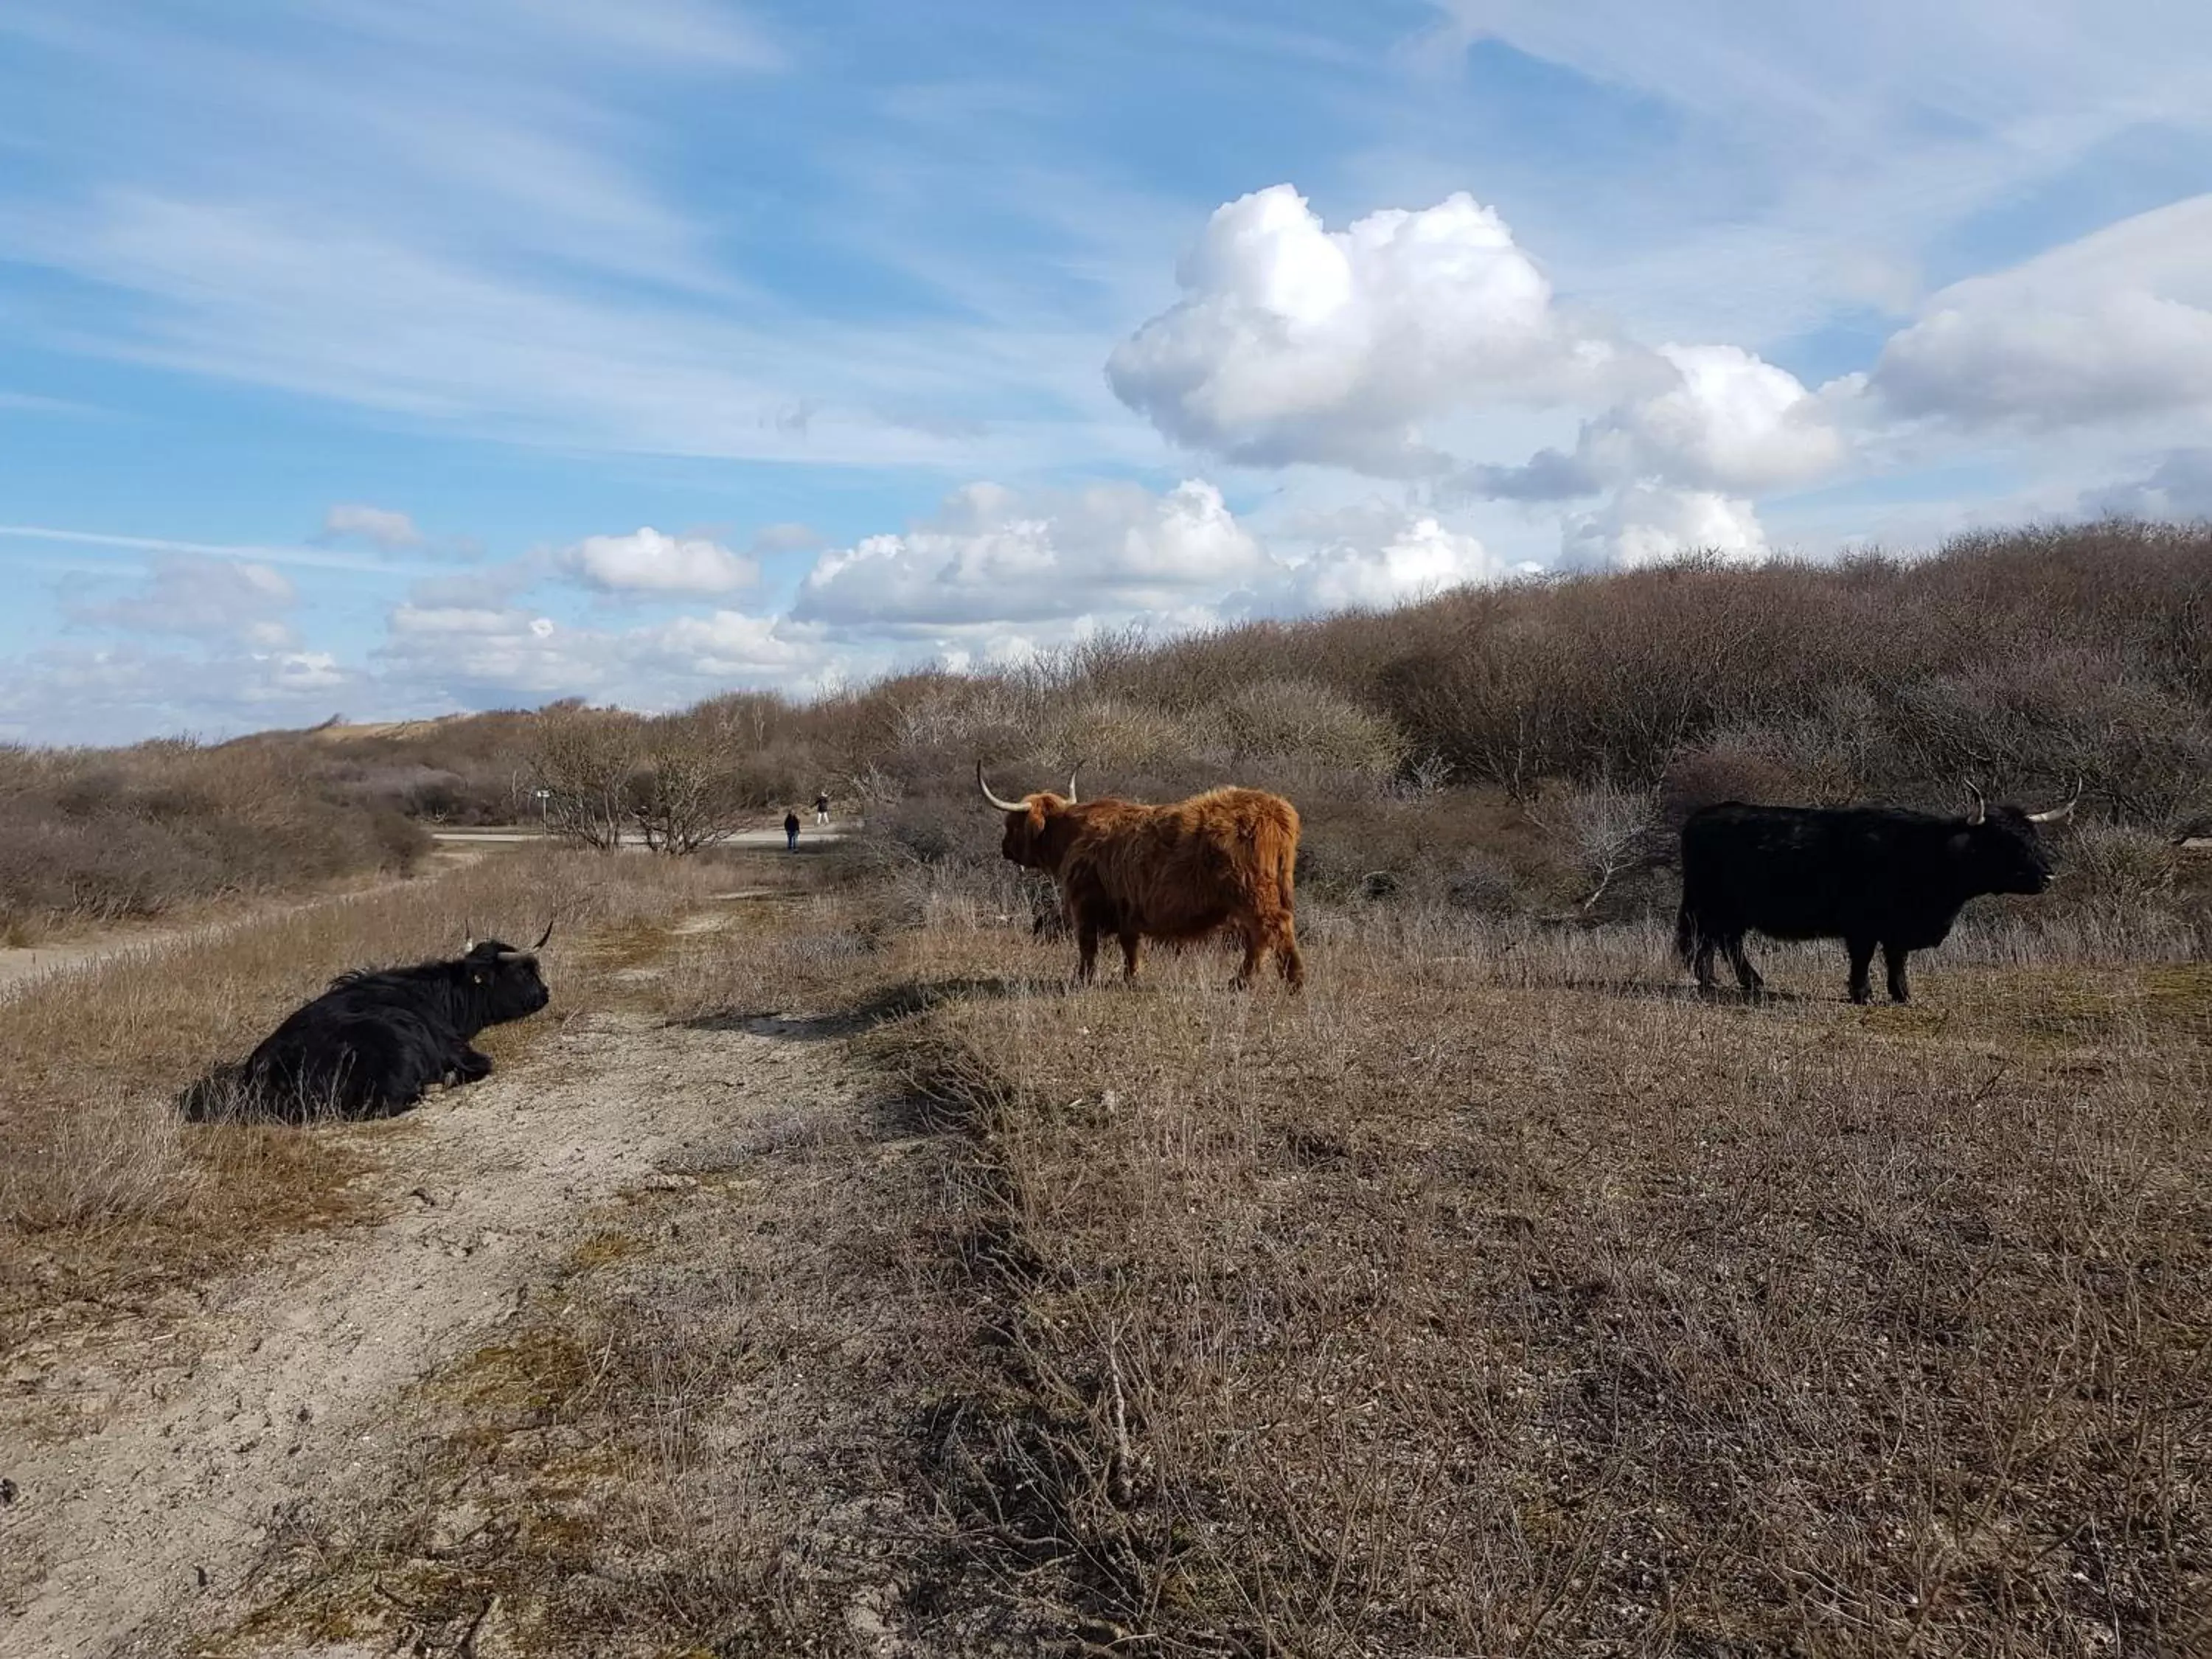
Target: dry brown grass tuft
{"type": "Point", "coordinates": [1504, 1298]}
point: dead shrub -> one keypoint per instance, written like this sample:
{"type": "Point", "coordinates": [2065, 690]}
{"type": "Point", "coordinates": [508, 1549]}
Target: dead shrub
{"type": "Point", "coordinates": [1305, 723]}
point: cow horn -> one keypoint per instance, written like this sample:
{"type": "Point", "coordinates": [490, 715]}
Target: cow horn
{"type": "Point", "coordinates": [543, 937]}
{"type": "Point", "coordinates": [1071, 782]}
{"type": "Point", "coordinates": [1981, 807]}
{"type": "Point", "coordinates": [468, 937]}
{"type": "Point", "coordinates": [2059, 814]}
{"type": "Point", "coordinates": [1003, 806]}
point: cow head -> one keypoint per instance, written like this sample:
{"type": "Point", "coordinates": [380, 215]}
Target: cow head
{"type": "Point", "coordinates": [1999, 849]}
{"type": "Point", "coordinates": [506, 979]}
{"type": "Point", "coordinates": [1040, 828]}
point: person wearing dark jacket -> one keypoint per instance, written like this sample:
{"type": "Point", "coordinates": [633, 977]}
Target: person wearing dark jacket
{"type": "Point", "coordinates": [821, 807]}
{"type": "Point", "coordinates": [791, 832]}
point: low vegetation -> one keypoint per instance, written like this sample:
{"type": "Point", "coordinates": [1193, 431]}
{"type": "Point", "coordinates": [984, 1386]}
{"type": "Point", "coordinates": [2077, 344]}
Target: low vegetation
{"type": "Point", "coordinates": [1497, 1295]}
{"type": "Point", "coordinates": [1555, 727]}
{"type": "Point", "coordinates": [107, 1198]}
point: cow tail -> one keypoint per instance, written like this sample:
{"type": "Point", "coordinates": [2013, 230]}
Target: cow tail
{"type": "Point", "coordinates": [1685, 933]}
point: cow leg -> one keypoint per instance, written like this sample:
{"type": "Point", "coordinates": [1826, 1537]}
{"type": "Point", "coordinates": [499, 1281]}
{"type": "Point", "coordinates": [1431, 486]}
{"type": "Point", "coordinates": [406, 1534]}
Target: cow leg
{"type": "Point", "coordinates": [1255, 948]}
{"type": "Point", "coordinates": [1288, 961]}
{"type": "Point", "coordinates": [1892, 960]}
{"type": "Point", "coordinates": [1087, 944]}
{"type": "Point", "coordinates": [1862, 957]}
{"type": "Point", "coordinates": [1131, 943]}
{"type": "Point", "coordinates": [471, 1067]}
{"type": "Point", "coordinates": [1702, 963]}
{"type": "Point", "coordinates": [1746, 976]}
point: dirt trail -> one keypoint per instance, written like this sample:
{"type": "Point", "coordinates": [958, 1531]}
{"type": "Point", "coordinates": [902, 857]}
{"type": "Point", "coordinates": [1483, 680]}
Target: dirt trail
{"type": "Point", "coordinates": [135, 1537]}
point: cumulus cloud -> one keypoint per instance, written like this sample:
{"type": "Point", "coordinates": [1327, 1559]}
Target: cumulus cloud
{"type": "Point", "coordinates": [379, 527]}
{"type": "Point", "coordinates": [992, 556]}
{"type": "Point", "coordinates": [203, 597]}
{"type": "Point", "coordinates": [1716, 418]}
{"type": "Point", "coordinates": [646, 562]}
{"type": "Point", "coordinates": [1647, 524]}
{"type": "Point", "coordinates": [116, 693]}
{"type": "Point", "coordinates": [2117, 325]}
{"type": "Point", "coordinates": [468, 653]}
{"type": "Point", "coordinates": [1415, 558]}
{"type": "Point", "coordinates": [1295, 342]}
{"type": "Point", "coordinates": [996, 570]}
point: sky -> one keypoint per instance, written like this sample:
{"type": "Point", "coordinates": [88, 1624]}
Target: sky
{"type": "Point", "coordinates": [384, 358]}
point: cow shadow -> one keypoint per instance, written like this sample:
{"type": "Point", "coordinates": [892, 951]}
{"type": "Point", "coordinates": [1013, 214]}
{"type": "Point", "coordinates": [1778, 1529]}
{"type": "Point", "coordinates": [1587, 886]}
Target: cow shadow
{"type": "Point", "coordinates": [1644, 990]}
{"type": "Point", "coordinates": [894, 1002]}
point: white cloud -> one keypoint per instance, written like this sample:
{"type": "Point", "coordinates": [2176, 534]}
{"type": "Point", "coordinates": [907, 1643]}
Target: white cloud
{"type": "Point", "coordinates": [1294, 342]}
{"type": "Point", "coordinates": [1805, 159]}
{"type": "Point", "coordinates": [1648, 524]}
{"type": "Point", "coordinates": [469, 655]}
{"type": "Point", "coordinates": [991, 555]}
{"type": "Point", "coordinates": [2179, 487]}
{"type": "Point", "coordinates": [1716, 418]}
{"type": "Point", "coordinates": [1729, 422]}
{"type": "Point", "coordinates": [998, 571]}
{"type": "Point", "coordinates": [2115, 327]}
{"type": "Point", "coordinates": [111, 694]}
{"type": "Point", "coordinates": [379, 527]}
{"type": "Point", "coordinates": [1417, 558]}
{"type": "Point", "coordinates": [646, 562]}
{"type": "Point", "coordinates": [685, 33]}
{"type": "Point", "coordinates": [205, 597]}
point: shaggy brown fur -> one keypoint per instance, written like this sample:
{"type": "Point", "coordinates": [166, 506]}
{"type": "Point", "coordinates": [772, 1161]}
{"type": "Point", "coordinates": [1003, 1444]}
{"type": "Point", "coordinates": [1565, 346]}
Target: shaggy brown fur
{"type": "Point", "coordinates": [1173, 873]}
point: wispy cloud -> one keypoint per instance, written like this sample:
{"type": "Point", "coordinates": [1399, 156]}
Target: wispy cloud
{"type": "Point", "coordinates": [307, 558]}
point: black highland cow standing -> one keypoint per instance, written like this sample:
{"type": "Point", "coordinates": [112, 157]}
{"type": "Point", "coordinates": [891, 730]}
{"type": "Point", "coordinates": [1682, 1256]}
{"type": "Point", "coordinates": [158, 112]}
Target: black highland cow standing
{"type": "Point", "coordinates": [1871, 876]}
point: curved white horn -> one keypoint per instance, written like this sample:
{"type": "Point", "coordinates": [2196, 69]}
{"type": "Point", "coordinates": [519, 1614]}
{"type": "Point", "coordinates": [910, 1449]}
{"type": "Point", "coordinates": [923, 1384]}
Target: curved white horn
{"type": "Point", "coordinates": [2059, 814]}
{"type": "Point", "coordinates": [1981, 807]}
{"type": "Point", "coordinates": [1071, 783]}
{"type": "Point", "coordinates": [1003, 806]}
{"type": "Point", "coordinates": [468, 937]}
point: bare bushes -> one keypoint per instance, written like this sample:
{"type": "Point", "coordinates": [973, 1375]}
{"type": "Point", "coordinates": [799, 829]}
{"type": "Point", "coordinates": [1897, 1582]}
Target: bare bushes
{"type": "Point", "coordinates": [678, 783]}
{"type": "Point", "coordinates": [581, 761]}
{"type": "Point", "coordinates": [1302, 723]}
{"type": "Point", "coordinates": [136, 832]}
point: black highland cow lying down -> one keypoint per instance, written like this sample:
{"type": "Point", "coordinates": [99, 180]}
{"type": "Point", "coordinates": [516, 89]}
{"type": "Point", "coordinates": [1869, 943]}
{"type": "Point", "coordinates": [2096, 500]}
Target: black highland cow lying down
{"type": "Point", "coordinates": [372, 1044]}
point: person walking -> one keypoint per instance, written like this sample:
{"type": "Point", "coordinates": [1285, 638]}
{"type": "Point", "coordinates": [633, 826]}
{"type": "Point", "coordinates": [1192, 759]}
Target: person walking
{"type": "Point", "coordinates": [791, 832]}
{"type": "Point", "coordinates": [821, 807]}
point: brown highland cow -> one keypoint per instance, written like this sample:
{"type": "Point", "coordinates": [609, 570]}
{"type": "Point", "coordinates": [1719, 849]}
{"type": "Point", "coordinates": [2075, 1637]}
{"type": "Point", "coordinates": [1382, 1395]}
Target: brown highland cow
{"type": "Point", "coordinates": [1175, 873]}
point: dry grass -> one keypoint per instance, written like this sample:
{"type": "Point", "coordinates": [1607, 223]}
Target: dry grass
{"type": "Point", "coordinates": [1502, 1298]}
{"type": "Point", "coordinates": [693, 1440]}
{"type": "Point", "coordinates": [98, 836]}
{"type": "Point", "coordinates": [107, 1199]}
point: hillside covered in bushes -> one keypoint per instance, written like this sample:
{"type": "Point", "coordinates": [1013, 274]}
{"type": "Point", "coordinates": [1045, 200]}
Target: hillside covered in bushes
{"type": "Point", "coordinates": [1521, 745]}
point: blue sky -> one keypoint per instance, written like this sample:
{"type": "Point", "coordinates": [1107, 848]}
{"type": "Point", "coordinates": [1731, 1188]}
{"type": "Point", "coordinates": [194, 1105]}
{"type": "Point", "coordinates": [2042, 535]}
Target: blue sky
{"type": "Point", "coordinates": [393, 356]}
